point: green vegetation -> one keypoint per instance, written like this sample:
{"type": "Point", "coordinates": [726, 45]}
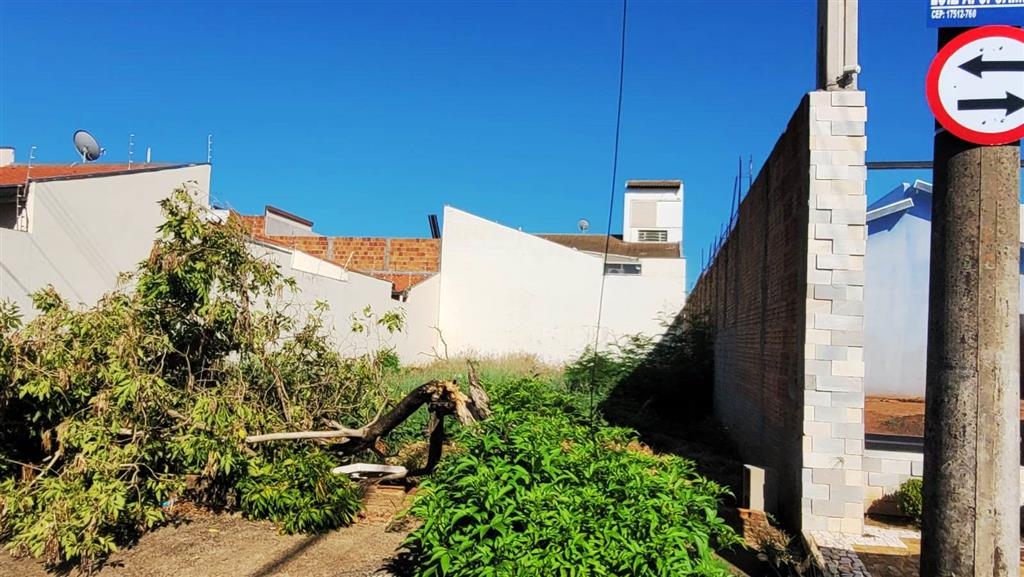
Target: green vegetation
{"type": "Point", "coordinates": [909, 500]}
{"type": "Point", "coordinates": [109, 412]}
{"type": "Point", "coordinates": [537, 490]}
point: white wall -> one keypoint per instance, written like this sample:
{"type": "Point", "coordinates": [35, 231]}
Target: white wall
{"type": "Point", "coordinates": [503, 291]}
{"type": "Point", "coordinates": [896, 308]}
{"type": "Point", "coordinates": [83, 232]}
{"type": "Point", "coordinates": [347, 294]}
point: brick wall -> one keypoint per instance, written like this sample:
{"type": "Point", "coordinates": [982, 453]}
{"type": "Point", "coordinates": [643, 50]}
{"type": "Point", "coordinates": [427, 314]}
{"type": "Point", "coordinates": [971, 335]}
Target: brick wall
{"type": "Point", "coordinates": [783, 294]}
{"type": "Point", "coordinates": [402, 261]}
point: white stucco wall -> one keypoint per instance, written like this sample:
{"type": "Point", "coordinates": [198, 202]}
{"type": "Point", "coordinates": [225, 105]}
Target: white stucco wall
{"type": "Point", "coordinates": [347, 294]}
{"type": "Point", "coordinates": [504, 291]}
{"type": "Point", "coordinates": [896, 308]}
{"type": "Point", "coordinates": [83, 232]}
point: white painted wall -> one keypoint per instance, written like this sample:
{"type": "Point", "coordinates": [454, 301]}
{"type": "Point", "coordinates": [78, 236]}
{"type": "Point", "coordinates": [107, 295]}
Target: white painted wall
{"type": "Point", "coordinates": [896, 308]}
{"type": "Point", "coordinates": [83, 232]}
{"type": "Point", "coordinates": [504, 291]}
{"type": "Point", "coordinates": [347, 293]}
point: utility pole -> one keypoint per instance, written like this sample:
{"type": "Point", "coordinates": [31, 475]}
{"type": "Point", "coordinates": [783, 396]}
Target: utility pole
{"type": "Point", "coordinates": [972, 436]}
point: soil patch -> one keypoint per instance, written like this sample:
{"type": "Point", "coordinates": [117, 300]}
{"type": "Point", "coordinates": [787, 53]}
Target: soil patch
{"type": "Point", "coordinates": [226, 545]}
{"type": "Point", "coordinates": [898, 416]}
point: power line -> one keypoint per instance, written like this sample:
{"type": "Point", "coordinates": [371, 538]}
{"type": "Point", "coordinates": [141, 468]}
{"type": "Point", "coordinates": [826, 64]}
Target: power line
{"type": "Point", "coordinates": [611, 206]}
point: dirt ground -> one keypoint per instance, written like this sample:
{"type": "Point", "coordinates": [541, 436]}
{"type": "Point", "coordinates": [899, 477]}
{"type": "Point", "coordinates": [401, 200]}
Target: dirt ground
{"type": "Point", "coordinates": [223, 545]}
{"type": "Point", "coordinates": [898, 416]}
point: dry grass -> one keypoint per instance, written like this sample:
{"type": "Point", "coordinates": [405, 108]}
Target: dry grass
{"type": "Point", "coordinates": [493, 368]}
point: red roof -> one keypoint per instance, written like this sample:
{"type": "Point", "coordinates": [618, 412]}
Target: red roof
{"type": "Point", "coordinates": [18, 173]}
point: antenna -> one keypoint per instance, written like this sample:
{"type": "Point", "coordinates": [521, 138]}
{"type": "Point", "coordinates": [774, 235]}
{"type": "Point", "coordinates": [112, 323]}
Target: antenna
{"type": "Point", "coordinates": [131, 149]}
{"type": "Point", "coordinates": [87, 146]}
{"type": "Point", "coordinates": [209, 148]}
{"type": "Point", "coordinates": [583, 225]}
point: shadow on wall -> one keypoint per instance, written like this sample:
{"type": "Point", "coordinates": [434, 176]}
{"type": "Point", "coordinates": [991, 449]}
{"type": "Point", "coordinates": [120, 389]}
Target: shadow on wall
{"type": "Point", "coordinates": [666, 395]}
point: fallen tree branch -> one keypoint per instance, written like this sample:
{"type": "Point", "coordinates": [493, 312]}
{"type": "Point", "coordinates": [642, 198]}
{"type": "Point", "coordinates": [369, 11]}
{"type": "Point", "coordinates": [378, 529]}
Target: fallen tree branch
{"type": "Point", "coordinates": [441, 397]}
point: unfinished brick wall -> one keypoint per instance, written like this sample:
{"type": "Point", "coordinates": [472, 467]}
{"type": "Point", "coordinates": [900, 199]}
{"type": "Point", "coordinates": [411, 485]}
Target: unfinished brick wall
{"type": "Point", "coordinates": [402, 261]}
{"type": "Point", "coordinates": [784, 295]}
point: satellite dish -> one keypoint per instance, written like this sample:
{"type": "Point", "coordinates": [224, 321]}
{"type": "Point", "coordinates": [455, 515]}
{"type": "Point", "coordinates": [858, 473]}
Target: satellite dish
{"type": "Point", "coordinates": [87, 146]}
{"type": "Point", "coordinates": [583, 224]}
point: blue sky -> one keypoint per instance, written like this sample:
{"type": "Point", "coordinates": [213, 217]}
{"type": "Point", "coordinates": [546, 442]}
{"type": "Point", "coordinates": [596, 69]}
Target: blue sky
{"type": "Point", "coordinates": [365, 117]}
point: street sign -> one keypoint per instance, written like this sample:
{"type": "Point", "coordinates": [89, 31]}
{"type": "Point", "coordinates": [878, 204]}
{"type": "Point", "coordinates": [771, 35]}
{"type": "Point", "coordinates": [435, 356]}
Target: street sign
{"type": "Point", "coordinates": [973, 13]}
{"type": "Point", "coordinates": [975, 85]}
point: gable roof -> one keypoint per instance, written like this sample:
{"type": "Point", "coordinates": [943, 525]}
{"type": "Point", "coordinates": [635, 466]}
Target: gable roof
{"type": "Point", "coordinates": [18, 174]}
{"type": "Point", "coordinates": [596, 243]}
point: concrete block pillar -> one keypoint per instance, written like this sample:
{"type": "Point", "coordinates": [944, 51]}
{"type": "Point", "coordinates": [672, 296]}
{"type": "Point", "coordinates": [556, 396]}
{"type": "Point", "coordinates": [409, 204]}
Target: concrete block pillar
{"type": "Point", "coordinates": [833, 429]}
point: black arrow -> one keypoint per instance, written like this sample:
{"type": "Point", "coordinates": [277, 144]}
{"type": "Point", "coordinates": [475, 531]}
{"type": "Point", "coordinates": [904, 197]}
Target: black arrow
{"type": "Point", "coordinates": [977, 66]}
{"type": "Point", "coordinates": [1011, 104]}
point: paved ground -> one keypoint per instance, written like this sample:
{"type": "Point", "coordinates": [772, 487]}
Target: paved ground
{"type": "Point", "coordinates": [883, 551]}
{"type": "Point", "coordinates": [220, 545]}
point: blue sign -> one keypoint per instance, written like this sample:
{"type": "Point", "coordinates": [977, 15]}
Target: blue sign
{"type": "Point", "coordinates": [971, 13]}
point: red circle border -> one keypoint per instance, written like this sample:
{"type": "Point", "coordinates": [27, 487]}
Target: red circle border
{"type": "Point", "coordinates": [932, 86]}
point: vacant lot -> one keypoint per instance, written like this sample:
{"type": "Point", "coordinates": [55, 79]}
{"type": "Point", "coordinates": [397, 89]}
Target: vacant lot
{"type": "Point", "coordinates": [898, 416]}
{"type": "Point", "coordinates": [219, 545]}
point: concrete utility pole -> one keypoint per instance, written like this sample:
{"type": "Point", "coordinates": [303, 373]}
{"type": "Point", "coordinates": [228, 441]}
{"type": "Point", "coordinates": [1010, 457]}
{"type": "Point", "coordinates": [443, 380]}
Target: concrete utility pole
{"type": "Point", "coordinates": [972, 436]}
{"type": "Point", "coordinates": [837, 45]}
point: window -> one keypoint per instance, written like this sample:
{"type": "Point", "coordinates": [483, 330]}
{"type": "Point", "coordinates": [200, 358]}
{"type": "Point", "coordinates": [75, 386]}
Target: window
{"type": "Point", "coordinates": [653, 235]}
{"type": "Point", "coordinates": [621, 268]}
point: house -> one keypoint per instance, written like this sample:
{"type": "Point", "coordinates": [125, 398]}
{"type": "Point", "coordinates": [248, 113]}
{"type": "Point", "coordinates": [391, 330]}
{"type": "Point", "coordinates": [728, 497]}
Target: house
{"type": "Point", "coordinates": [896, 291]}
{"type": "Point", "coordinates": [482, 288]}
{"type": "Point", "coordinates": [503, 290]}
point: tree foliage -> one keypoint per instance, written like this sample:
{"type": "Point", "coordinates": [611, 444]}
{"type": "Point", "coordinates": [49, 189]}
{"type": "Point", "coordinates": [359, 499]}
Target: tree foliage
{"type": "Point", "coordinates": [108, 412]}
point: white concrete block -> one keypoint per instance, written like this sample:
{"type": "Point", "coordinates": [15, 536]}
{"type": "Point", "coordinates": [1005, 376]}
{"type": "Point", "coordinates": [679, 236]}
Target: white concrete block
{"type": "Point", "coordinates": [847, 127]}
{"type": "Point", "coordinates": [854, 447]}
{"type": "Point", "coordinates": [834, 524]}
{"type": "Point", "coordinates": [848, 98]}
{"type": "Point", "coordinates": [831, 231]}
{"type": "Point", "coordinates": [815, 491]}
{"type": "Point", "coordinates": [854, 415]}
{"type": "Point", "coordinates": [842, 114]}
{"type": "Point", "coordinates": [849, 157]}
{"type": "Point", "coordinates": [819, 277]}
{"type": "Point", "coordinates": [839, 322]}
{"type": "Point", "coordinates": [917, 468]}
{"type": "Point", "coordinates": [818, 398]}
{"type": "Point", "coordinates": [898, 467]}
{"type": "Point", "coordinates": [848, 277]}
{"type": "Point", "coordinates": [819, 99]}
{"type": "Point", "coordinates": [856, 353]}
{"type": "Point", "coordinates": [858, 173]}
{"type": "Point", "coordinates": [848, 216]}
{"type": "Point", "coordinates": [823, 460]}
{"type": "Point", "coordinates": [819, 187]}
{"type": "Point", "coordinates": [838, 143]}
{"type": "Point", "coordinates": [817, 216]}
{"type": "Point", "coordinates": [817, 337]}
{"type": "Point", "coordinates": [816, 367]}
{"type": "Point", "coordinates": [855, 293]}
{"type": "Point", "coordinates": [830, 415]}
{"type": "Point", "coordinates": [887, 481]}
{"type": "Point", "coordinates": [848, 187]}
{"type": "Point", "coordinates": [820, 128]}
{"type": "Point", "coordinates": [828, 292]}
{"type": "Point", "coordinates": [831, 171]}
{"type": "Point", "coordinates": [848, 246]}
{"type": "Point", "coordinates": [857, 232]}
{"type": "Point", "coordinates": [817, 429]}
{"type": "Point", "coordinates": [848, 368]}
{"type": "Point", "coordinates": [872, 465]}
{"type": "Point", "coordinates": [852, 525]}
{"type": "Point", "coordinates": [848, 430]}
{"type": "Point", "coordinates": [832, 262]}
{"type": "Point", "coordinates": [827, 446]}
{"type": "Point", "coordinates": [838, 201]}
{"type": "Point", "coordinates": [839, 384]}
{"type": "Point", "coordinates": [847, 400]}
{"type": "Point", "coordinates": [830, 353]}
{"type": "Point", "coordinates": [844, 307]}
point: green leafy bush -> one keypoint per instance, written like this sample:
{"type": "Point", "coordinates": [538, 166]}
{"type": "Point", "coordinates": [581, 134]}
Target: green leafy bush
{"type": "Point", "coordinates": [534, 491]}
{"type": "Point", "coordinates": [909, 500]}
{"type": "Point", "coordinates": [300, 493]}
{"type": "Point", "coordinates": [107, 412]}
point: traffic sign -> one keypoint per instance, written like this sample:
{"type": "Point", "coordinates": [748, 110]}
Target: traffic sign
{"type": "Point", "coordinates": [972, 13]}
{"type": "Point", "coordinates": [975, 85]}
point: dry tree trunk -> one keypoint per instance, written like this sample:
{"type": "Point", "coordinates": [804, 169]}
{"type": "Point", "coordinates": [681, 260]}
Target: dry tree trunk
{"type": "Point", "coordinates": [442, 398]}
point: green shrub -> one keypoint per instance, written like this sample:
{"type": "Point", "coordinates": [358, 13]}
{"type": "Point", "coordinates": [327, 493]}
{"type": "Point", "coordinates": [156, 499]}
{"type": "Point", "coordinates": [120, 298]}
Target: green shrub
{"type": "Point", "coordinates": [909, 500]}
{"type": "Point", "coordinates": [300, 493]}
{"type": "Point", "coordinates": [543, 494]}
{"type": "Point", "coordinates": [109, 411]}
